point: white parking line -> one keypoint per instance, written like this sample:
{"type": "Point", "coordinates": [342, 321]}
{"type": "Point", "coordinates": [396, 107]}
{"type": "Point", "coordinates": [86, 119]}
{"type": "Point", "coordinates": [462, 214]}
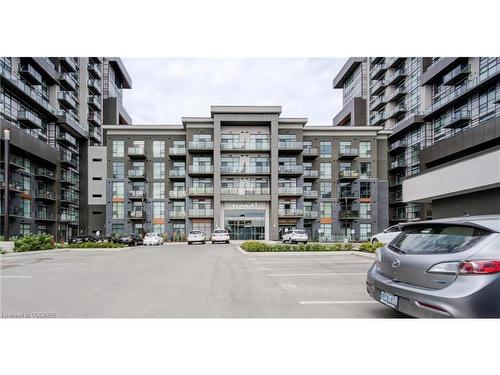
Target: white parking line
{"type": "Point", "coordinates": [288, 286]}
{"type": "Point", "coordinates": [317, 274]}
{"type": "Point", "coordinates": [336, 302]}
{"type": "Point", "coordinates": [15, 276]}
{"type": "Point", "coordinates": [316, 262]}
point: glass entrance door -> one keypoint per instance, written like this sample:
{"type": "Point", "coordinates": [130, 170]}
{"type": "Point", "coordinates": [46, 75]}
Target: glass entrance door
{"type": "Point", "coordinates": [245, 224]}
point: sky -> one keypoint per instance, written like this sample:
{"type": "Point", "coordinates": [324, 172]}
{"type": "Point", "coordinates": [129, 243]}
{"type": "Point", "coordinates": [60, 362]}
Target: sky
{"type": "Point", "coordinates": [165, 90]}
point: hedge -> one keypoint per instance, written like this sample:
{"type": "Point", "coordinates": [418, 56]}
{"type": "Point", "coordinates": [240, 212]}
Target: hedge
{"type": "Point", "coordinates": [368, 247]}
{"type": "Point", "coordinates": [34, 243]}
{"type": "Point", "coordinates": [257, 246]}
{"type": "Point", "coordinates": [94, 245]}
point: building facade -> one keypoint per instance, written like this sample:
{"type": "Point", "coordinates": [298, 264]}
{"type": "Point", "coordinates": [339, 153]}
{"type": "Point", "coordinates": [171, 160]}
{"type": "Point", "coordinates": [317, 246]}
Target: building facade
{"type": "Point", "coordinates": [246, 169]}
{"type": "Point", "coordinates": [51, 111]}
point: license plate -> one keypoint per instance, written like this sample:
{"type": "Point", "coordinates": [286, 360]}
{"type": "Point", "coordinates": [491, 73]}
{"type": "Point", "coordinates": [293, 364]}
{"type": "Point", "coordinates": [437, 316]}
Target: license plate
{"type": "Point", "coordinates": [389, 299]}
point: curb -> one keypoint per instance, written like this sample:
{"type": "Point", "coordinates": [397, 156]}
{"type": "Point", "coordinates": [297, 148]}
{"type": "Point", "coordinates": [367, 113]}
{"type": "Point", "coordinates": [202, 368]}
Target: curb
{"type": "Point", "coordinates": [58, 251]}
{"type": "Point", "coordinates": [358, 253]}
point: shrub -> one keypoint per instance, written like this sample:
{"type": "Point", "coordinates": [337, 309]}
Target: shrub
{"type": "Point", "coordinates": [2, 251]}
{"type": "Point", "coordinates": [94, 245]}
{"type": "Point", "coordinates": [257, 246]}
{"type": "Point", "coordinates": [34, 243]}
{"type": "Point", "coordinates": [347, 246]}
{"type": "Point", "coordinates": [369, 247]}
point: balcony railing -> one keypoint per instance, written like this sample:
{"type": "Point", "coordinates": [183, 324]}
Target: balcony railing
{"type": "Point", "coordinates": [177, 173]}
{"type": "Point", "coordinates": [241, 169]}
{"type": "Point", "coordinates": [398, 164]}
{"type": "Point", "coordinates": [94, 85]}
{"type": "Point", "coordinates": [310, 214]}
{"type": "Point", "coordinates": [377, 71]}
{"type": "Point", "coordinates": [136, 194]}
{"type": "Point", "coordinates": [67, 81]}
{"type": "Point", "coordinates": [378, 118]}
{"type": "Point", "coordinates": [68, 63]}
{"type": "Point", "coordinates": [378, 103]}
{"type": "Point", "coordinates": [397, 77]}
{"type": "Point", "coordinates": [94, 118]}
{"type": "Point", "coordinates": [178, 151]}
{"type": "Point", "coordinates": [348, 152]}
{"type": "Point", "coordinates": [69, 158]}
{"type": "Point", "coordinates": [245, 146]}
{"type": "Point", "coordinates": [136, 214]}
{"type": "Point", "coordinates": [398, 146]}
{"type": "Point", "coordinates": [288, 145]}
{"type": "Point", "coordinates": [397, 94]}
{"type": "Point", "coordinates": [456, 75]}
{"type": "Point", "coordinates": [45, 173]}
{"type": "Point", "coordinates": [66, 138]}
{"type": "Point", "coordinates": [198, 145]}
{"type": "Point", "coordinates": [378, 87]}
{"type": "Point", "coordinates": [95, 70]}
{"type": "Point", "coordinates": [69, 218]}
{"type": "Point", "coordinates": [177, 194]}
{"type": "Point", "coordinates": [95, 134]}
{"type": "Point", "coordinates": [311, 151]}
{"type": "Point", "coordinates": [348, 195]}
{"type": "Point", "coordinates": [136, 173]}
{"type": "Point", "coordinates": [177, 215]}
{"type": "Point", "coordinates": [349, 174]}
{"type": "Point", "coordinates": [397, 111]}
{"type": "Point", "coordinates": [291, 169]}
{"type": "Point", "coordinates": [290, 190]}
{"type": "Point", "coordinates": [394, 61]}
{"type": "Point", "coordinates": [136, 152]}
{"type": "Point", "coordinates": [201, 169]}
{"type": "Point", "coordinates": [48, 195]}
{"type": "Point", "coordinates": [30, 74]}
{"type": "Point", "coordinates": [311, 194]}
{"type": "Point", "coordinates": [348, 214]}
{"type": "Point", "coordinates": [293, 212]}
{"type": "Point", "coordinates": [94, 101]}
{"type": "Point", "coordinates": [66, 99]}
{"type": "Point", "coordinates": [29, 120]}
{"type": "Point", "coordinates": [458, 119]}
{"type": "Point", "coordinates": [203, 190]}
{"type": "Point", "coordinates": [201, 213]}
{"type": "Point", "coordinates": [245, 191]}
{"type": "Point", "coordinates": [311, 173]}
{"type": "Point", "coordinates": [48, 216]}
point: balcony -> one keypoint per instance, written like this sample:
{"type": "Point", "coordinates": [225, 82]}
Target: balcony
{"type": "Point", "coordinates": [201, 212]}
{"type": "Point", "coordinates": [310, 174]}
{"type": "Point", "coordinates": [348, 175]}
{"type": "Point", "coordinates": [378, 103]}
{"type": "Point", "coordinates": [136, 174]}
{"type": "Point", "coordinates": [45, 195]}
{"type": "Point", "coordinates": [22, 89]}
{"type": "Point", "coordinates": [348, 215]}
{"type": "Point", "coordinates": [67, 81]}
{"type": "Point", "coordinates": [257, 146]}
{"type": "Point", "coordinates": [458, 119]}
{"type": "Point", "coordinates": [290, 190]}
{"type": "Point", "coordinates": [241, 169]}
{"type": "Point", "coordinates": [94, 102]}
{"type": "Point", "coordinates": [378, 87]}
{"type": "Point", "coordinates": [94, 70]}
{"type": "Point", "coordinates": [378, 119]}
{"type": "Point", "coordinates": [94, 86]}
{"type": "Point", "coordinates": [30, 74]}
{"type": "Point", "coordinates": [29, 120]}
{"type": "Point", "coordinates": [69, 159]}
{"type": "Point", "coordinates": [456, 75]}
{"type": "Point", "coordinates": [177, 174]}
{"type": "Point", "coordinates": [69, 198]}
{"type": "Point", "coordinates": [69, 178]}
{"type": "Point", "coordinates": [395, 184]}
{"type": "Point", "coordinates": [45, 216]}
{"type": "Point", "coordinates": [201, 169]}
{"type": "Point", "coordinates": [378, 71]}
{"type": "Point", "coordinates": [310, 215]}
{"type": "Point", "coordinates": [201, 191]}
{"type": "Point", "coordinates": [245, 191]}
{"type": "Point", "coordinates": [66, 99]}
{"type": "Point", "coordinates": [348, 153]}
{"type": "Point", "coordinates": [396, 198]}
{"type": "Point", "coordinates": [397, 165]}
{"type": "Point", "coordinates": [397, 147]}
{"type": "Point", "coordinates": [311, 152]}
{"type": "Point", "coordinates": [291, 169]}
{"type": "Point", "coordinates": [291, 212]}
{"type": "Point", "coordinates": [311, 194]}
{"type": "Point", "coordinates": [66, 138]}
{"type": "Point", "coordinates": [95, 134]}
{"type": "Point", "coordinates": [397, 77]}
{"type": "Point", "coordinates": [177, 215]}
{"type": "Point", "coordinates": [136, 215]}
{"type": "Point", "coordinates": [69, 64]}
{"type": "Point", "coordinates": [71, 219]}
{"type": "Point", "coordinates": [94, 118]}
{"type": "Point", "coordinates": [397, 94]}
{"type": "Point", "coordinates": [290, 146]}
{"type": "Point", "coordinates": [45, 174]}
{"type": "Point", "coordinates": [136, 194]}
{"type": "Point", "coordinates": [177, 151]}
{"type": "Point", "coordinates": [136, 152]}
{"type": "Point", "coordinates": [231, 146]}
{"type": "Point", "coordinates": [393, 62]}
{"type": "Point", "coordinates": [200, 146]}
{"type": "Point", "coordinates": [177, 194]}
{"type": "Point", "coordinates": [348, 194]}
{"type": "Point", "coordinates": [397, 111]}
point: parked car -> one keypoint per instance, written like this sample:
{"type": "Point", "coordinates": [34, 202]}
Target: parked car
{"type": "Point", "coordinates": [387, 235]}
{"type": "Point", "coordinates": [220, 235]}
{"type": "Point", "coordinates": [105, 239]}
{"type": "Point", "coordinates": [295, 236]}
{"type": "Point", "coordinates": [441, 268]}
{"type": "Point", "coordinates": [153, 239]}
{"type": "Point", "coordinates": [196, 236]}
{"type": "Point", "coordinates": [82, 239]}
{"type": "Point", "coordinates": [131, 240]}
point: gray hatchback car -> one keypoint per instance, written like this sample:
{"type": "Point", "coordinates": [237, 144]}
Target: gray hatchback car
{"type": "Point", "coordinates": [441, 268]}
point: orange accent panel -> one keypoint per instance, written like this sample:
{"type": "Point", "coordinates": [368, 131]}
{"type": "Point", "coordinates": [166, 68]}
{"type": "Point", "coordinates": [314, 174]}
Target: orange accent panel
{"type": "Point", "coordinates": [118, 199]}
{"type": "Point", "coordinates": [365, 200]}
{"type": "Point", "coordinates": [326, 220]}
{"type": "Point", "coordinates": [159, 221]}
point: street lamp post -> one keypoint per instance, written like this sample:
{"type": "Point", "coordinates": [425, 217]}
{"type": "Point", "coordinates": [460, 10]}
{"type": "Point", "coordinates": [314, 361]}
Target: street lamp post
{"type": "Point", "coordinates": [6, 133]}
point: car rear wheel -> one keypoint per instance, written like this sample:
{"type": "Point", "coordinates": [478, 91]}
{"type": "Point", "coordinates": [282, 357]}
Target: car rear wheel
{"type": "Point", "coordinates": [227, 241]}
{"type": "Point", "coordinates": [203, 243]}
{"type": "Point", "coordinates": [374, 241]}
{"type": "Point", "coordinates": [189, 242]}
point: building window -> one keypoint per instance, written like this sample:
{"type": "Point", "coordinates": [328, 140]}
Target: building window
{"type": "Point", "coordinates": [326, 189]}
{"type": "Point", "coordinates": [159, 228]}
{"type": "Point", "coordinates": [325, 149]}
{"type": "Point", "coordinates": [26, 205]}
{"type": "Point", "coordinates": [365, 232]}
{"type": "Point", "coordinates": [158, 210]}
{"type": "Point", "coordinates": [325, 233]}
{"type": "Point", "coordinates": [118, 169]}
{"type": "Point", "coordinates": [24, 230]}
{"type": "Point", "coordinates": [365, 149]}
{"type": "Point", "coordinates": [178, 230]}
{"type": "Point", "coordinates": [118, 210]}
{"type": "Point", "coordinates": [364, 190]}
{"type": "Point", "coordinates": [118, 189]}
{"type": "Point", "coordinates": [158, 190]}
{"type": "Point", "coordinates": [158, 170]}
{"type": "Point", "coordinates": [365, 169]}
{"type": "Point", "coordinates": [325, 209]}
{"type": "Point", "coordinates": [325, 170]}
{"type": "Point", "coordinates": [118, 149]}
{"type": "Point", "coordinates": [158, 149]}
{"type": "Point", "coordinates": [345, 146]}
{"type": "Point", "coordinates": [117, 230]}
{"type": "Point", "coordinates": [365, 210]}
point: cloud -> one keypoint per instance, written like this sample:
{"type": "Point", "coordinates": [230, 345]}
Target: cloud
{"type": "Point", "coordinates": [164, 90]}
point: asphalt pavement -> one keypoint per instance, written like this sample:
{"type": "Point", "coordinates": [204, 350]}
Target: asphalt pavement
{"type": "Point", "coordinates": [181, 281]}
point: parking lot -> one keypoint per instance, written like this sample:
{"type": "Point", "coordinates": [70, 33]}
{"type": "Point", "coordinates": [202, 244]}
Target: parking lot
{"type": "Point", "coordinates": [177, 280]}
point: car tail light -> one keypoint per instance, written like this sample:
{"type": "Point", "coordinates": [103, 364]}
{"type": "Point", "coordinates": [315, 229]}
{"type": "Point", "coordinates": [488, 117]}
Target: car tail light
{"type": "Point", "coordinates": [447, 268]}
{"type": "Point", "coordinates": [479, 267]}
{"type": "Point", "coordinates": [378, 255]}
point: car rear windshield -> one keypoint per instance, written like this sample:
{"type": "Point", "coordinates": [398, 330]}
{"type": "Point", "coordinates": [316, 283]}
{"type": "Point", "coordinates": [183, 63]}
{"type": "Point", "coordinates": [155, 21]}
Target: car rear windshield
{"type": "Point", "coordinates": [151, 235]}
{"type": "Point", "coordinates": [437, 239]}
{"type": "Point", "coordinates": [220, 231]}
{"type": "Point", "coordinates": [195, 232]}
{"type": "Point", "coordinates": [299, 231]}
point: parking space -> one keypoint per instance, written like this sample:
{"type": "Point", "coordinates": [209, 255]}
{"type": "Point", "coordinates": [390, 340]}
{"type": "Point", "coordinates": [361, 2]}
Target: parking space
{"type": "Point", "coordinates": [177, 280]}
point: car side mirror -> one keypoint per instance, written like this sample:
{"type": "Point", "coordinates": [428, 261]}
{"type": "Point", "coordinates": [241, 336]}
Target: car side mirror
{"type": "Point", "coordinates": [385, 230]}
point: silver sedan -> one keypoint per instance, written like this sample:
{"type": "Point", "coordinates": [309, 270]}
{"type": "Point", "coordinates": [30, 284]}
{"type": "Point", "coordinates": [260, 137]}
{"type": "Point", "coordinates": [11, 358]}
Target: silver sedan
{"type": "Point", "coordinates": [441, 268]}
